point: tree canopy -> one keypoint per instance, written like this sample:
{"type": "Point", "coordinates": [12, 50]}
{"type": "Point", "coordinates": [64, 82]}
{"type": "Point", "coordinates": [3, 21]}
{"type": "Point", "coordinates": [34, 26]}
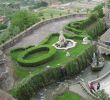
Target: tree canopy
{"type": "Point", "coordinates": [24, 19]}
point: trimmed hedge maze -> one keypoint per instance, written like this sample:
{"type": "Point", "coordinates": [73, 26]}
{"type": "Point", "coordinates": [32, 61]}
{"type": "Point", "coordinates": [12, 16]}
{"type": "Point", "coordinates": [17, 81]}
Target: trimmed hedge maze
{"type": "Point", "coordinates": [26, 60]}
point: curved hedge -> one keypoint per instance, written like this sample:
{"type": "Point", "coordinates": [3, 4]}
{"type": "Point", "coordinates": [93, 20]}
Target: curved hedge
{"type": "Point", "coordinates": [34, 82]}
{"type": "Point", "coordinates": [93, 26]}
{"type": "Point", "coordinates": [37, 60]}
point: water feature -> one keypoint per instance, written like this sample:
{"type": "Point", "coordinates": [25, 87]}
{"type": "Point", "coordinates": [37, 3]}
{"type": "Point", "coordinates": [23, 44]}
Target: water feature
{"type": "Point", "coordinates": [64, 43]}
{"type": "Point", "coordinates": [98, 61]}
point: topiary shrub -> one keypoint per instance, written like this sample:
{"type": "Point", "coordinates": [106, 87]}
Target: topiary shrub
{"type": "Point", "coordinates": [37, 60]}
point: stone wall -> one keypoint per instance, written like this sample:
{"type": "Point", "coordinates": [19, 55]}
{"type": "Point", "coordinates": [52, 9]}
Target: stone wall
{"type": "Point", "coordinates": [59, 91]}
{"type": "Point", "coordinates": [31, 29]}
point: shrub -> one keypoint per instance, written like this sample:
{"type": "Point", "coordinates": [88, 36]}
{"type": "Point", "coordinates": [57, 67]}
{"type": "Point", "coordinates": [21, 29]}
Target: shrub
{"type": "Point", "coordinates": [2, 26]}
{"type": "Point", "coordinates": [38, 60]}
{"type": "Point", "coordinates": [32, 83]}
{"type": "Point", "coordinates": [96, 29]}
{"type": "Point", "coordinates": [79, 27]}
{"type": "Point", "coordinates": [24, 19]}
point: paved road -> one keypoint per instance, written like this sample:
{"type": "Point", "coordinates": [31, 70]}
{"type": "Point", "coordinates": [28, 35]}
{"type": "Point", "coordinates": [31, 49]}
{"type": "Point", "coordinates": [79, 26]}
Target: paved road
{"type": "Point", "coordinates": [39, 34]}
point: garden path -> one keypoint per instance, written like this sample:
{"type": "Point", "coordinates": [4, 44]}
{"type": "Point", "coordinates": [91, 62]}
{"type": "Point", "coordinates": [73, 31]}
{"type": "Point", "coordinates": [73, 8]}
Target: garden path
{"type": "Point", "coordinates": [41, 33]}
{"type": "Point", "coordinates": [77, 89]}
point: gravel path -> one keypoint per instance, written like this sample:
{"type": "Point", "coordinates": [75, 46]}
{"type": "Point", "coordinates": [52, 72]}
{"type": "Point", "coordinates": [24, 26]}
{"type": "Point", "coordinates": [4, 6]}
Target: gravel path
{"type": "Point", "coordinates": [39, 34]}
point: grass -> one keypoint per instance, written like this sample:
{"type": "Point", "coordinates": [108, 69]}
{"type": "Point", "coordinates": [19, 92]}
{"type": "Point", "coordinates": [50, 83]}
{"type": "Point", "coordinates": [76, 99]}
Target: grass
{"type": "Point", "coordinates": [69, 96]}
{"type": "Point", "coordinates": [47, 12]}
{"type": "Point", "coordinates": [60, 58]}
{"type": "Point", "coordinates": [36, 54]}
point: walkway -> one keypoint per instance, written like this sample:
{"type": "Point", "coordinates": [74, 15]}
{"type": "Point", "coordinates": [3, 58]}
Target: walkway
{"type": "Point", "coordinates": [77, 89]}
{"type": "Point", "coordinates": [39, 34]}
{"type": "Point", "coordinates": [105, 84]}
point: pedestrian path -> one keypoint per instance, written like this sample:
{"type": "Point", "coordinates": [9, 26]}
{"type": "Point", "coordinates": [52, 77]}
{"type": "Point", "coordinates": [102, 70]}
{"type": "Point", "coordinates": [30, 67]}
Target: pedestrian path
{"type": "Point", "coordinates": [79, 90]}
{"type": "Point", "coordinates": [40, 34]}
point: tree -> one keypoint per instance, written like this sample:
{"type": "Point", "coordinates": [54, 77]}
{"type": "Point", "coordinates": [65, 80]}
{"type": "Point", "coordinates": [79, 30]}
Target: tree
{"type": "Point", "coordinates": [2, 26]}
{"type": "Point", "coordinates": [24, 19]}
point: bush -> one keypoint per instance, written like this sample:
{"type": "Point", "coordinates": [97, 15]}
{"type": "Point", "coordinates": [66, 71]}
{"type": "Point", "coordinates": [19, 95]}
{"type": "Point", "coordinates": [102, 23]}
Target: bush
{"type": "Point", "coordinates": [24, 19]}
{"type": "Point", "coordinates": [27, 87]}
{"type": "Point", "coordinates": [79, 27]}
{"type": "Point", "coordinates": [38, 60]}
{"type": "Point", "coordinates": [99, 10]}
{"type": "Point", "coordinates": [96, 29]}
{"type": "Point", "coordinates": [40, 4]}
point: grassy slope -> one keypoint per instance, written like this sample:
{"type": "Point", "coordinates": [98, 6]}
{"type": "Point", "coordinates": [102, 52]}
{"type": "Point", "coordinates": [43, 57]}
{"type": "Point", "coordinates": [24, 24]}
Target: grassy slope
{"type": "Point", "coordinates": [69, 96]}
{"type": "Point", "coordinates": [59, 58]}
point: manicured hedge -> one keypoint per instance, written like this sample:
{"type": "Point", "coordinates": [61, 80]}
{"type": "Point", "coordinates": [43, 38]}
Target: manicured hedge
{"type": "Point", "coordinates": [70, 36]}
{"type": "Point", "coordinates": [93, 26]}
{"type": "Point", "coordinates": [38, 60]}
{"type": "Point", "coordinates": [35, 81]}
{"type": "Point", "coordinates": [96, 29]}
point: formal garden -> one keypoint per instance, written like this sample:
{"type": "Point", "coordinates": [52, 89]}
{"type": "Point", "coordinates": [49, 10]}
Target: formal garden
{"type": "Point", "coordinates": [37, 66]}
{"type": "Point", "coordinates": [53, 50]}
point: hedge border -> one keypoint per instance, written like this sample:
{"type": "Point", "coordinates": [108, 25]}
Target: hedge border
{"type": "Point", "coordinates": [35, 81]}
{"type": "Point", "coordinates": [38, 60]}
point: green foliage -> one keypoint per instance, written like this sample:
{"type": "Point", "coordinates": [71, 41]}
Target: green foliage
{"type": "Point", "coordinates": [2, 26]}
{"type": "Point", "coordinates": [24, 19]}
{"type": "Point", "coordinates": [40, 4]}
{"type": "Point", "coordinates": [4, 36]}
{"type": "Point", "coordinates": [27, 87]}
{"type": "Point", "coordinates": [35, 60]}
{"type": "Point", "coordinates": [94, 25]}
{"type": "Point", "coordinates": [96, 29]}
{"type": "Point", "coordinates": [98, 10]}
{"type": "Point", "coordinates": [69, 96]}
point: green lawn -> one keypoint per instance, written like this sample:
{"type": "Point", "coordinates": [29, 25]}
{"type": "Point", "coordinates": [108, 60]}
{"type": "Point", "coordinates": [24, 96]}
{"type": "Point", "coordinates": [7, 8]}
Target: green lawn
{"type": "Point", "coordinates": [59, 58]}
{"type": "Point", "coordinates": [55, 12]}
{"type": "Point", "coordinates": [69, 96]}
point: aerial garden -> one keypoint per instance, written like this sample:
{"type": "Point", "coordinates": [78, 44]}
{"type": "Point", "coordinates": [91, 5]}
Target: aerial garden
{"type": "Point", "coordinates": [41, 65]}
